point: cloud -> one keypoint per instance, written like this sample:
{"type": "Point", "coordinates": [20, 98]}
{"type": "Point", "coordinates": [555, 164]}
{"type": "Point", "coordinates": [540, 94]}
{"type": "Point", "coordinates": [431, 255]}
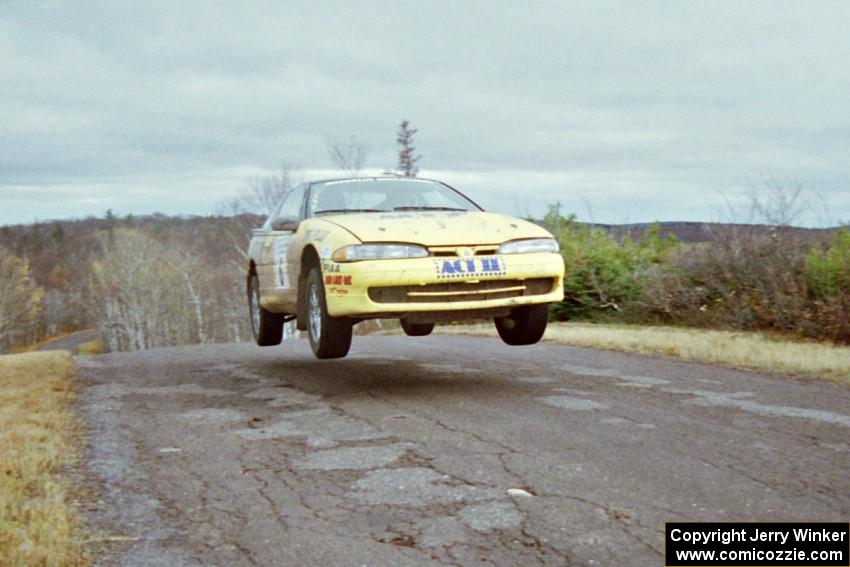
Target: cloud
{"type": "Point", "coordinates": [660, 103]}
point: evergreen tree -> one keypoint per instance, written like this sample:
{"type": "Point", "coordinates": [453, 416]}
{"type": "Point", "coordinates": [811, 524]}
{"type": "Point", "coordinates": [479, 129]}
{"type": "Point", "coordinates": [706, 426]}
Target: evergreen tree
{"type": "Point", "coordinates": [58, 235]}
{"type": "Point", "coordinates": [407, 157]}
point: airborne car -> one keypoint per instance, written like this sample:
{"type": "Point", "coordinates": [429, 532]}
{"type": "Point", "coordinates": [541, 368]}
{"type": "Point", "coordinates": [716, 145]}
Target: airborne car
{"type": "Point", "coordinates": [342, 251]}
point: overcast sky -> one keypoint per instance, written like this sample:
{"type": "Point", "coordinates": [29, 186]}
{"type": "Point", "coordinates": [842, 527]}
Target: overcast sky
{"type": "Point", "coordinates": [623, 111]}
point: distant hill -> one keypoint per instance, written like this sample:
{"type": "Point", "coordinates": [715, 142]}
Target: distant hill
{"type": "Point", "coordinates": [685, 231]}
{"type": "Point", "coordinates": [693, 232]}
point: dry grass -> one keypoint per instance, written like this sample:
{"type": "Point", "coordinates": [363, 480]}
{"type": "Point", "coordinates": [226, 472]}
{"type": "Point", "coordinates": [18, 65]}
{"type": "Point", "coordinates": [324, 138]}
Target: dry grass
{"type": "Point", "coordinates": [38, 440]}
{"type": "Point", "coordinates": [732, 348]}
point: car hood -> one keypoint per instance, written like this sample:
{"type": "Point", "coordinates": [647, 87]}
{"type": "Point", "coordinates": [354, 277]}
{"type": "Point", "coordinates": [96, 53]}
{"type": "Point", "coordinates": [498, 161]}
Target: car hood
{"type": "Point", "coordinates": [437, 228]}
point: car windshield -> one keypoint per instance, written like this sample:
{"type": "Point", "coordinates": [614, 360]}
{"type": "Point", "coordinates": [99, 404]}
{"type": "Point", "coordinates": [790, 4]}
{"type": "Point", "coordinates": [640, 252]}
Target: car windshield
{"type": "Point", "coordinates": [384, 195]}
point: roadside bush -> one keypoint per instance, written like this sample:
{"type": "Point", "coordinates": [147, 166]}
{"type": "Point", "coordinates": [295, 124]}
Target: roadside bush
{"type": "Point", "coordinates": [828, 267]}
{"type": "Point", "coordinates": [605, 278]}
{"type": "Point", "coordinates": [740, 280]}
{"type": "Point", "coordinates": [747, 277]}
{"type": "Point", "coordinates": [828, 276]}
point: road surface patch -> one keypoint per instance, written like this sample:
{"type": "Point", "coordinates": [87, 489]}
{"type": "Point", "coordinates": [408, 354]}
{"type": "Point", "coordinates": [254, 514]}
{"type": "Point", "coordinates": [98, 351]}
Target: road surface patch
{"type": "Point", "coordinates": [571, 403]}
{"type": "Point", "coordinates": [190, 389]}
{"type": "Point", "coordinates": [373, 357]}
{"type": "Point", "coordinates": [629, 380]}
{"type": "Point", "coordinates": [321, 427]}
{"type": "Point", "coordinates": [283, 396]}
{"type": "Point", "coordinates": [641, 381]}
{"type": "Point", "coordinates": [535, 379]}
{"type": "Point", "coordinates": [215, 415]}
{"type": "Point", "coordinates": [719, 399]}
{"type": "Point", "coordinates": [367, 457]}
{"type": "Point", "coordinates": [416, 487]}
{"type": "Point", "coordinates": [491, 516]}
{"type": "Point", "coordinates": [441, 531]}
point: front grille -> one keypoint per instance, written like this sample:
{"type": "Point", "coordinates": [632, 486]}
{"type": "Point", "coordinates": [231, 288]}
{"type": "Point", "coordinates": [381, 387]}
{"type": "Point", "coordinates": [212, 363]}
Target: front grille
{"type": "Point", "coordinates": [459, 291]}
{"type": "Point", "coordinates": [452, 251]}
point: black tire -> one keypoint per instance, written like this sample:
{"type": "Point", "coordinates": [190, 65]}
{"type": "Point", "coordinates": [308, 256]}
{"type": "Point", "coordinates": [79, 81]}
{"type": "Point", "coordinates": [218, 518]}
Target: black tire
{"type": "Point", "coordinates": [330, 337]}
{"type": "Point", "coordinates": [416, 329]}
{"type": "Point", "coordinates": [524, 326]}
{"type": "Point", "coordinates": [266, 326]}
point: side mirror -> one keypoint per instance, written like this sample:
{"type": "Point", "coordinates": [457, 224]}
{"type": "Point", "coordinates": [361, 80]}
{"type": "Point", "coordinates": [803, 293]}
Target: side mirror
{"type": "Point", "coordinates": [287, 224]}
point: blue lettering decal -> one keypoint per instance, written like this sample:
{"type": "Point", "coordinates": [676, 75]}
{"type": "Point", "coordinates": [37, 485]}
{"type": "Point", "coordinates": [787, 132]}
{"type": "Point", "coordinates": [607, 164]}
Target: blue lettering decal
{"type": "Point", "coordinates": [470, 266]}
{"type": "Point", "coordinates": [492, 265]}
{"type": "Point", "coordinates": [452, 267]}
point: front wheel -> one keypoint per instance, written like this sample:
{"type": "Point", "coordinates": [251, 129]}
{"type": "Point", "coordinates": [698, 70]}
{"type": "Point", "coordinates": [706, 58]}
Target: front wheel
{"type": "Point", "coordinates": [266, 326]}
{"type": "Point", "coordinates": [524, 326]}
{"type": "Point", "coordinates": [330, 337]}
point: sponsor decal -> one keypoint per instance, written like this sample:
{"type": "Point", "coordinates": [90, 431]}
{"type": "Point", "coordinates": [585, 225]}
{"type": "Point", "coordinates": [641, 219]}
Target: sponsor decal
{"type": "Point", "coordinates": [281, 270]}
{"type": "Point", "coordinates": [448, 268]}
{"type": "Point", "coordinates": [330, 267]}
{"type": "Point", "coordinates": [337, 280]}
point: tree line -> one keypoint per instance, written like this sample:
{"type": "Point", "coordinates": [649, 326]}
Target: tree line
{"type": "Point", "coordinates": [158, 281]}
{"type": "Point", "coordinates": [144, 282]}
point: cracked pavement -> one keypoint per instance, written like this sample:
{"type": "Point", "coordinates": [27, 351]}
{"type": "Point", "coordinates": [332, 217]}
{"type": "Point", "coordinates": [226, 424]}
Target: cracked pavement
{"type": "Point", "coordinates": [404, 453]}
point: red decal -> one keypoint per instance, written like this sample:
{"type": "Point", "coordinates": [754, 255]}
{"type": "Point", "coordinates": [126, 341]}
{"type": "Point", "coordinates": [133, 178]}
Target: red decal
{"type": "Point", "coordinates": [337, 280]}
{"type": "Point", "coordinates": [346, 280]}
{"type": "Point", "coordinates": [329, 279]}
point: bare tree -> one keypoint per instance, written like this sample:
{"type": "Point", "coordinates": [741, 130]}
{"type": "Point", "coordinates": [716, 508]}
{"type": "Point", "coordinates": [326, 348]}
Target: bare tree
{"type": "Point", "coordinates": [143, 301]}
{"type": "Point", "coordinates": [231, 207]}
{"type": "Point", "coordinates": [348, 155]}
{"type": "Point", "coordinates": [777, 203]}
{"type": "Point", "coordinates": [263, 194]}
{"type": "Point", "coordinates": [407, 157]}
{"type": "Point", "coordinates": [20, 301]}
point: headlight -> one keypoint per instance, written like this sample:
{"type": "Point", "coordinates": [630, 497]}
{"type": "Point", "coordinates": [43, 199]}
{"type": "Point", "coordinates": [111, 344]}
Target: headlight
{"type": "Point", "coordinates": [357, 252]}
{"type": "Point", "coordinates": [529, 246]}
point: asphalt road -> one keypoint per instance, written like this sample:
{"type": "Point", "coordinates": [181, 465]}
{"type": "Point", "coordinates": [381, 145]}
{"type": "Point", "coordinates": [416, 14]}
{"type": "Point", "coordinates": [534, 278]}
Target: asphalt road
{"type": "Point", "coordinates": [404, 453]}
{"type": "Point", "coordinates": [70, 342]}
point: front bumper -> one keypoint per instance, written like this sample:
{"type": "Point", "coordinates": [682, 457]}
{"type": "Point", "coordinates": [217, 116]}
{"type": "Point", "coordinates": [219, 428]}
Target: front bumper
{"type": "Point", "coordinates": [393, 288]}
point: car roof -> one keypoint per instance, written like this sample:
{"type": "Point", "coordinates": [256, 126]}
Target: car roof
{"type": "Point", "coordinates": [376, 178]}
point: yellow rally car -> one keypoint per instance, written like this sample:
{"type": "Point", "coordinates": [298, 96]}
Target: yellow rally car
{"type": "Point", "coordinates": [343, 251]}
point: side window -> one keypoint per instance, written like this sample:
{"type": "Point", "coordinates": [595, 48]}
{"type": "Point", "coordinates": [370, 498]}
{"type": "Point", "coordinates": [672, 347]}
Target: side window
{"type": "Point", "coordinates": [291, 207]}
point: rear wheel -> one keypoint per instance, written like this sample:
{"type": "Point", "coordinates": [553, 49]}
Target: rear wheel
{"type": "Point", "coordinates": [266, 326]}
{"type": "Point", "coordinates": [524, 326]}
{"type": "Point", "coordinates": [416, 329]}
{"type": "Point", "coordinates": [330, 337]}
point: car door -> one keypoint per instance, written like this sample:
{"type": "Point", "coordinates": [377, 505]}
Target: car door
{"type": "Point", "coordinates": [278, 276]}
